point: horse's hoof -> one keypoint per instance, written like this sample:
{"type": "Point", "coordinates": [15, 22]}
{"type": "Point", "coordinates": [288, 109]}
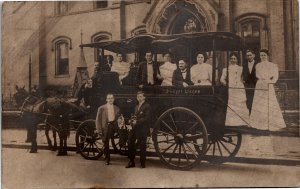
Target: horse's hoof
{"type": "Point", "coordinates": [59, 153]}
{"type": "Point", "coordinates": [33, 151]}
{"type": "Point", "coordinates": [54, 148]}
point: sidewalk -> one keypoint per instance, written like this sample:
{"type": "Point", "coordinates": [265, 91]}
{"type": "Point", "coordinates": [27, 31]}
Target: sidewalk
{"type": "Point", "coordinates": [262, 147]}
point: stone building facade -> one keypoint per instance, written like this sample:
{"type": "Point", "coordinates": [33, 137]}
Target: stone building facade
{"type": "Point", "coordinates": [46, 35]}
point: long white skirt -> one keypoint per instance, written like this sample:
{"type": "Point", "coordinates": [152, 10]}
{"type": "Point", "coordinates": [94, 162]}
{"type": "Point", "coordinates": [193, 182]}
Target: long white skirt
{"type": "Point", "coordinates": [237, 111]}
{"type": "Point", "coordinates": [266, 113]}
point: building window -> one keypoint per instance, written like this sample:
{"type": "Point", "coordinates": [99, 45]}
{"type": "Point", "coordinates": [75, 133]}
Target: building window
{"type": "Point", "coordinates": [251, 34]}
{"type": "Point", "coordinates": [101, 4]}
{"type": "Point", "coordinates": [62, 58]}
{"type": "Point", "coordinates": [100, 37]}
{"type": "Point", "coordinates": [61, 7]}
{"type": "Point", "coordinates": [252, 27]}
{"type": "Point", "coordinates": [61, 46]}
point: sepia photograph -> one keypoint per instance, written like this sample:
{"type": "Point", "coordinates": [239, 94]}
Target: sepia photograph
{"type": "Point", "coordinates": [150, 94]}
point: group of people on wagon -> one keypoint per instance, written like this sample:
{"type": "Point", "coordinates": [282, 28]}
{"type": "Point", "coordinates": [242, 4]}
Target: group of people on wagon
{"type": "Point", "coordinates": [256, 106]}
{"type": "Point", "coordinates": [252, 99]}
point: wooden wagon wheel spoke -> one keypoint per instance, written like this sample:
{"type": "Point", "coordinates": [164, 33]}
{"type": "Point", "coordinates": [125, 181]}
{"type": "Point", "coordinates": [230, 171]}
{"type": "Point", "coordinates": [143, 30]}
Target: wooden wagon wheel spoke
{"type": "Point", "coordinates": [193, 137]}
{"type": "Point", "coordinates": [85, 146]}
{"type": "Point", "coordinates": [117, 143]}
{"type": "Point", "coordinates": [173, 152]}
{"type": "Point", "coordinates": [230, 135]}
{"type": "Point", "coordinates": [185, 154]}
{"type": "Point", "coordinates": [168, 126]}
{"type": "Point", "coordinates": [225, 147]}
{"type": "Point", "coordinates": [229, 142]}
{"type": "Point", "coordinates": [97, 147]}
{"type": "Point", "coordinates": [187, 141]}
{"type": "Point", "coordinates": [164, 132]}
{"type": "Point", "coordinates": [168, 148]}
{"type": "Point", "coordinates": [100, 143]}
{"type": "Point", "coordinates": [166, 141]}
{"type": "Point", "coordinates": [192, 127]}
{"type": "Point", "coordinates": [209, 146]}
{"type": "Point", "coordinates": [89, 149]}
{"type": "Point", "coordinates": [220, 149]}
{"type": "Point", "coordinates": [93, 149]}
{"type": "Point", "coordinates": [191, 150]}
{"type": "Point", "coordinates": [82, 136]}
{"type": "Point", "coordinates": [179, 155]}
{"type": "Point", "coordinates": [214, 147]}
{"type": "Point", "coordinates": [171, 116]}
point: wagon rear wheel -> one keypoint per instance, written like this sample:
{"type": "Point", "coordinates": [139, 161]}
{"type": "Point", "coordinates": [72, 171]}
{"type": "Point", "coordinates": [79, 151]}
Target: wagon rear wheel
{"type": "Point", "coordinates": [222, 148]}
{"type": "Point", "coordinates": [180, 138]}
{"type": "Point", "coordinates": [89, 144]}
{"type": "Point", "coordinates": [119, 141]}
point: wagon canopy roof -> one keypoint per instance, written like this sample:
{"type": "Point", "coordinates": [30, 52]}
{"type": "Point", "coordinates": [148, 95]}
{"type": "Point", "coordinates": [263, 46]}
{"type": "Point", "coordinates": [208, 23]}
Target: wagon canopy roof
{"type": "Point", "coordinates": [208, 41]}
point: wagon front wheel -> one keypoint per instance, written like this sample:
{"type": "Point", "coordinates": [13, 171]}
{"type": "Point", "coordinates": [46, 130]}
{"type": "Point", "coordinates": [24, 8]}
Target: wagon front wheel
{"type": "Point", "coordinates": [180, 138]}
{"type": "Point", "coordinates": [89, 143]}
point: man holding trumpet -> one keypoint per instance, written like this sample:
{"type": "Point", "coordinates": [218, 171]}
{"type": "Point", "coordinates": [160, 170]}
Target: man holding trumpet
{"type": "Point", "coordinates": [140, 123]}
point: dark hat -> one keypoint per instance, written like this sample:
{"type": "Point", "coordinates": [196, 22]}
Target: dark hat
{"type": "Point", "coordinates": [140, 92]}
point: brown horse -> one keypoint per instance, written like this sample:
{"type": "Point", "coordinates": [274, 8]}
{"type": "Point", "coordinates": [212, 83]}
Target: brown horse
{"type": "Point", "coordinates": [54, 111]}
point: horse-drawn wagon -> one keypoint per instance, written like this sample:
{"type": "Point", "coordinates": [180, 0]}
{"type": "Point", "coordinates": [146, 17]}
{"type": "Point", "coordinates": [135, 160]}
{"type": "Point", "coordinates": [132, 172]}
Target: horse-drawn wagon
{"type": "Point", "coordinates": [188, 122]}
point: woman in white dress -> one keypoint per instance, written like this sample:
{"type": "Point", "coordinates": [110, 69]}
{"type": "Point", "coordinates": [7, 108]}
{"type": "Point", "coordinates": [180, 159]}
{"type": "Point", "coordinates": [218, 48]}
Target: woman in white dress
{"type": "Point", "coordinates": [121, 67]}
{"type": "Point", "coordinates": [266, 113]}
{"type": "Point", "coordinates": [237, 112]}
{"type": "Point", "coordinates": [166, 71]}
{"type": "Point", "coordinates": [201, 73]}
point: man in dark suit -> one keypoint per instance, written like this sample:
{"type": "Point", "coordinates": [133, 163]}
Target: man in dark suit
{"type": "Point", "coordinates": [182, 76]}
{"type": "Point", "coordinates": [107, 64]}
{"type": "Point", "coordinates": [249, 77]}
{"type": "Point", "coordinates": [148, 72]}
{"type": "Point", "coordinates": [140, 129]}
{"type": "Point", "coordinates": [106, 122]}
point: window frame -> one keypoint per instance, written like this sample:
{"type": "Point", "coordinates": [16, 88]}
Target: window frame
{"type": "Point", "coordinates": [59, 9]}
{"type": "Point", "coordinates": [56, 43]}
{"type": "Point", "coordinates": [101, 1]}
{"type": "Point", "coordinates": [99, 37]}
{"type": "Point", "coordinates": [249, 18]}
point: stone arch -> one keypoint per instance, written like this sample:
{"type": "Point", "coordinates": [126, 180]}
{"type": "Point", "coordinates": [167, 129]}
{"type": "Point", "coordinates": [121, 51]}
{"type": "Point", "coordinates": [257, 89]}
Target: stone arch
{"type": "Point", "coordinates": [98, 37]}
{"type": "Point", "coordinates": [138, 30]}
{"type": "Point", "coordinates": [168, 16]}
{"type": "Point", "coordinates": [59, 39]}
{"type": "Point", "coordinates": [101, 36]}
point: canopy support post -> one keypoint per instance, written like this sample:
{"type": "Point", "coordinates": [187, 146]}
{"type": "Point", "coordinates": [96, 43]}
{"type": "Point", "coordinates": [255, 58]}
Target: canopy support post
{"type": "Point", "coordinates": [214, 64]}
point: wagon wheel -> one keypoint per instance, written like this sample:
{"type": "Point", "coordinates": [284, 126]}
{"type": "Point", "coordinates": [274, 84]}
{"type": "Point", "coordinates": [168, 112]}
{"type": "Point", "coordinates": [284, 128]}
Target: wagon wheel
{"type": "Point", "coordinates": [223, 147]}
{"type": "Point", "coordinates": [119, 141]}
{"type": "Point", "coordinates": [89, 144]}
{"type": "Point", "coordinates": [180, 138]}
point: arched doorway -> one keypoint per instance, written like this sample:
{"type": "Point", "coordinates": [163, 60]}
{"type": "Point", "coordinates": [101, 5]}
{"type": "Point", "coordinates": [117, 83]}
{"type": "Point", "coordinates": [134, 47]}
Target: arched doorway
{"type": "Point", "coordinates": [182, 17]}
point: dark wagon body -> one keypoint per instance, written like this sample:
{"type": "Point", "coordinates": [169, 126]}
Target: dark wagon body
{"type": "Point", "coordinates": [190, 116]}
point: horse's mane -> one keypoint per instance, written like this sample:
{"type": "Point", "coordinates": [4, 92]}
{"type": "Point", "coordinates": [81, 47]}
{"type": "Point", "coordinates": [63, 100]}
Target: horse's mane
{"type": "Point", "coordinates": [34, 104]}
